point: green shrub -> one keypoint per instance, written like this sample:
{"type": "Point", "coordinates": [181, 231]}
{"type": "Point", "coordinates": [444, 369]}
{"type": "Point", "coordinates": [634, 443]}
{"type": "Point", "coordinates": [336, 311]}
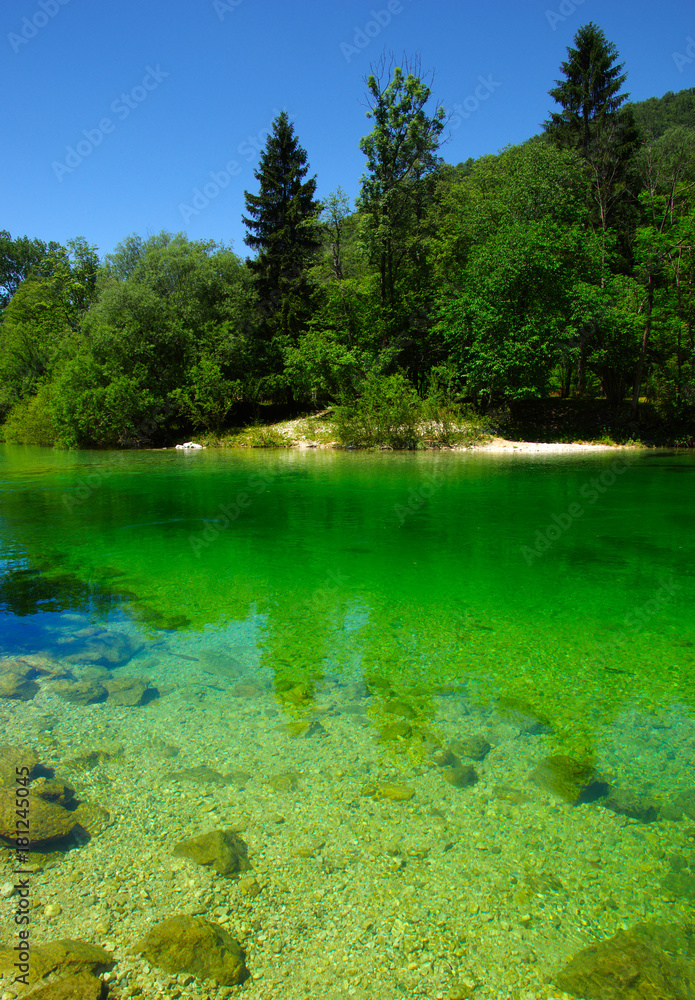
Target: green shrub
{"type": "Point", "coordinates": [30, 421]}
{"type": "Point", "coordinates": [386, 414]}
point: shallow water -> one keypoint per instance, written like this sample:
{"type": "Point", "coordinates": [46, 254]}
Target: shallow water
{"type": "Point", "coordinates": [471, 591]}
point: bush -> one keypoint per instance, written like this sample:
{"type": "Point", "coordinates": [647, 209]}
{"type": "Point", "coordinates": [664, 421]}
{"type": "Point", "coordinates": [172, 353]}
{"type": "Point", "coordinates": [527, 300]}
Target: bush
{"type": "Point", "coordinates": [30, 421]}
{"type": "Point", "coordinates": [387, 413]}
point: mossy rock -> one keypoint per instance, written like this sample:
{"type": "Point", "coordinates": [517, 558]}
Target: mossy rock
{"type": "Point", "coordinates": [15, 686]}
{"type": "Point", "coordinates": [647, 962]}
{"type": "Point", "coordinates": [472, 747]}
{"type": "Point", "coordinates": [79, 987]}
{"type": "Point", "coordinates": [222, 850]}
{"type": "Point", "coordinates": [85, 692]}
{"type": "Point", "coordinates": [460, 776]}
{"type": "Point", "coordinates": [65, 957]}
{"type": "Point", "coordinates": [626, 802]}
{"type": "Point", "coordinates": [130, 691]}
{"type": "Point", "coordinates": [574, 780]}
{"type": "Point", "coordinates": [208, 775]}
{"type": "Point", "coordinates": [47, 821]}
{"type": "Point", "coordinates": [52, 790]}
{"type": "Point", "coordinates": [197, 946]}
{"type": "Point", "coordinates": [13, 758]}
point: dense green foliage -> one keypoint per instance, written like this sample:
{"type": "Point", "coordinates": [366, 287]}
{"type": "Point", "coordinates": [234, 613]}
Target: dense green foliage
{"type": "Point", "coordinates": [659, 114]}
{"type": "Point", "coordinates": [563, 268]}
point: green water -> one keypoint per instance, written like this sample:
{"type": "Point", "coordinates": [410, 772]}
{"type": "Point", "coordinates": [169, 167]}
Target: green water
{"type": "Point", "coordinates": [416, 569]}
{"type": "Point", "coordinates": [340, 616]}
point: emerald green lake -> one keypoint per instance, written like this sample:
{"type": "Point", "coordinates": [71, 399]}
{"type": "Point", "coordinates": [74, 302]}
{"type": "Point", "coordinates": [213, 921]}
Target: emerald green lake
{"type": "Point", "coordinates": [544, 598]}
{"type": "Point", "coordinates": [428, 568]}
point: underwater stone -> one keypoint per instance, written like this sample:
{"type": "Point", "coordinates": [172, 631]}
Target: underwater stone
{"type": "Point", "coordinates": [130, 691]}
{"type": "Point", "coordinates": [16, 686]}
{"type": "Point", "coordinates": [87, 692]}
{"type": "Point", "coordinates": [209, 775]}
{"type": "Point", "coordinates": [110, 649]}
{"type": "Point", "coordinates": [79, 987]}
{"type": "Point", "coordinates": [48, 821]}
{"type": "Point", "coordinates": [12, 757]}
{"type": "Point", "coordinates": [396, 731]}
{"type": "Point", "coordinates": [218, 849]}
{"type": "Point", "coordinates": [460, 776]}
{"type": "Point", "coordinates": [198, 946]}
{"type": "Point", "coordinates": [68, 957]}
{"type": "Point", "coordinates": [626, 802]}
{"type": "Point", "coordinates": [573, 780]}
{"type": "Point", "coordinates": [685, 801]}
{"type": "Point", "coordinates": [643, 963]}
{"type": "Point", "coordinates": [288, 781]}
{"type": "Point", "coordinates": [52, 790]}
{"type": "Point", "coordinates": [473, 747]}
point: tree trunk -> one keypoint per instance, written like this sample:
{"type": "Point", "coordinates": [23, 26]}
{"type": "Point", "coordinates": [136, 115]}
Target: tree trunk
{"type": "Point", "coordinates": [639, 371]}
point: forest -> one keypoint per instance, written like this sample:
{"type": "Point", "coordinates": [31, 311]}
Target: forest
{"type": "Point", "coordinates": [553, 283]}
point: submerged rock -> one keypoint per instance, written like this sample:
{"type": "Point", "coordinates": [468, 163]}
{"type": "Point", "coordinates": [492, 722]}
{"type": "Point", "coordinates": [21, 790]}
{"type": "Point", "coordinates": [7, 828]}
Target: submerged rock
{"type": "Point", "coordinates": [66, 957]}
{"type": "Point", "coordinates": [203, 773]}
{"type": "Point", "coordinates": [130, 691]}
{"type": "Point", "coordinates": [626, 802]}
{"type": "Point", "coordinates": [647, 962]}
{"type": "Point", "coordinates": [15, 685]}
{"type": "Point", "coordinates": [86, 692]}
{"type": "Point", "coordinates": [197, 946]}
{"type": "Point", "coordinates": [109, 649]}
{"type": "Point", "coordinates": [460, 776]}
{"type": "Point", "coordinates": [47, 821]}
{"type": "Point", "coordinates": [473, 747]}
{"type": "Point", "coordinates": [388, 790]}
{"type": "Point", "coordinates": [573, 780]}
{"type": "Point", "coordinates": [11, 758]}
{"type": "Point", "coordinates": [685, 801]}
{"type": "Point", "coordinates": [79, 987]}
{"type": "Point", "coordinates": [52, 790]}
{"type": "Point", "coordinates": [222, 850]}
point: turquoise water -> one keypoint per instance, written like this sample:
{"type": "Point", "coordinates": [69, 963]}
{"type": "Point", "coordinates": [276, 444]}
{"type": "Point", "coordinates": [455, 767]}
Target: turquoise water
{"type": "Point", "coordinates": [516, 574]}
{"type": "Point", "coordinates": [333, 626]}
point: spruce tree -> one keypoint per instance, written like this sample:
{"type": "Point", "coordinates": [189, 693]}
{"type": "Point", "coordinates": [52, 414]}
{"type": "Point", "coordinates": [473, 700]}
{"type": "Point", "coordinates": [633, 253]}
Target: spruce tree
{"type": "Point", "coordinates": [284, 231]}
{"type": "Point", "coordinates": [590, 93]}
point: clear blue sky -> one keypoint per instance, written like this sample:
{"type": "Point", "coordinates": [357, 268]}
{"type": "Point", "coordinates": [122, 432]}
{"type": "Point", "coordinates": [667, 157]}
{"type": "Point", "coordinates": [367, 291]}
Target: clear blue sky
{"type": "Point", "coordinates": [190, 86]}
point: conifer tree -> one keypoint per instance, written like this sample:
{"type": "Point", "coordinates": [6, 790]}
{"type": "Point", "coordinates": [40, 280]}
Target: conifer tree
{"type": "Point", "coordinates": [590, 92]}
{"type": "Point", "coordinates": [284, 231]}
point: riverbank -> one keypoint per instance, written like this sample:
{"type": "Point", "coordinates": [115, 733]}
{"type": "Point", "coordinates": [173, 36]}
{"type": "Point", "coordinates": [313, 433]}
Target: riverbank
{"type": "Point", "coordinates": [318, 431]}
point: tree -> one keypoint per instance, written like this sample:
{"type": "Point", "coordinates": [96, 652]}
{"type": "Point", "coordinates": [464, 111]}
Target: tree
{"type": "Point", "coordinates": [18, 259]}
{"type": "Point", "coordinates": [590, 92]}
{"type": "Point", "coordinates": [284, 231]}
{"type": "Point", "coordinates": [401, 158]}
{"type": "Point", "coordinates": [592, 123]}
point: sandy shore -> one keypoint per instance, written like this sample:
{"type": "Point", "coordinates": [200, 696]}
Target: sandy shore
{"type": "Point", "coordinates": [543, 447]}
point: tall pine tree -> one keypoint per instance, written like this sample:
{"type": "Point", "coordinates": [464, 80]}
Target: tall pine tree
{"type": "Point", "coordinates": [284, 231]}
{"type": "Point", "coordinates": [590, 92]}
